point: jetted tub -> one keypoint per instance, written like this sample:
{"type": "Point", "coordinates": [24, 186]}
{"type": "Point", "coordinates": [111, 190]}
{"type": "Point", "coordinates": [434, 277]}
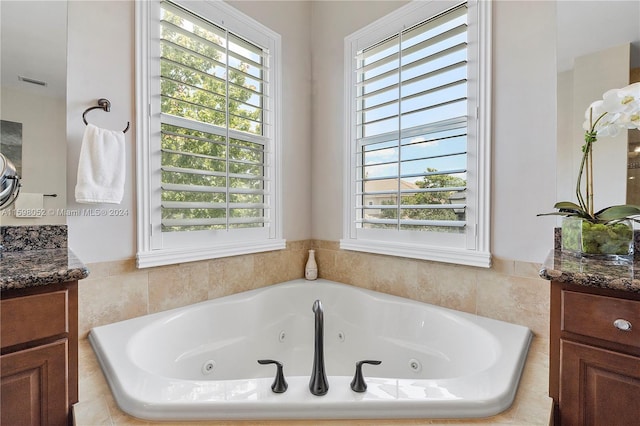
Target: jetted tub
{"type": "Point", "coordinates": [200, 362]}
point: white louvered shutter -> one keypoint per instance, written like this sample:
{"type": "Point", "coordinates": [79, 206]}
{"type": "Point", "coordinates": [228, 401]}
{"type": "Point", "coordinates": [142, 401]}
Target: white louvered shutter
{"type": "Point", "coordinates": [411, 127]}
{"type": "Point", "coordinates": [214, 95]}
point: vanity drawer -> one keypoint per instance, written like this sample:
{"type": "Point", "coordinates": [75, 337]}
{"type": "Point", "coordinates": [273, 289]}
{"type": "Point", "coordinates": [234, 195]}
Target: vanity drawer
{"type": "Point", "coordinates": [33, 317]}
{"type": "Point", "coordinates": [594, 316]}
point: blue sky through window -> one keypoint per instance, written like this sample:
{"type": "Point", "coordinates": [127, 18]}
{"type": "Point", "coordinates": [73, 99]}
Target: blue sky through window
{"type": "Point", "coordinates": [426, 85]}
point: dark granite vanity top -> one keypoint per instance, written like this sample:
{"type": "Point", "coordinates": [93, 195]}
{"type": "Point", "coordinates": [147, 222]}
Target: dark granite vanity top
{"type": "Point", "coordinates": [33, 256]}
{"type": "Point", "coordinates": [566, 268]}
{"type": "Point", "coordinates": [615, 275]}
{"type": "Point", "coordinates": [31, 268]}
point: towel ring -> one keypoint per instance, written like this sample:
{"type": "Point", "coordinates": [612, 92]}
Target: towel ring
{"type": "Point", "coordinates": [104, 104]}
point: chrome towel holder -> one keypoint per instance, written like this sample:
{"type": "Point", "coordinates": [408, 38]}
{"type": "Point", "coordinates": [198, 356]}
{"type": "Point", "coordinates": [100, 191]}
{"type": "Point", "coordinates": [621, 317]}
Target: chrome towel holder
{"type": "Point", "coordinates": [103, 104]}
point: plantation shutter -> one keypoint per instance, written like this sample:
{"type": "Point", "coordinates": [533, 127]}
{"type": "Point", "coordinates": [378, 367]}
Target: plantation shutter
{"type": "Point", "coordinates": [213, 146]}
{"type": "Point", "coordinates": [411, 127]}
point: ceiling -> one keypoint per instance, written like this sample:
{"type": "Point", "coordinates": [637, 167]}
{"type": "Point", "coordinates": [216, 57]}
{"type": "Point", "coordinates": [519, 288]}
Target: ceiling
{"type": "Point", "coordinates": [34, 45]}
{"type": "Point", "coordinates": [589, 26]}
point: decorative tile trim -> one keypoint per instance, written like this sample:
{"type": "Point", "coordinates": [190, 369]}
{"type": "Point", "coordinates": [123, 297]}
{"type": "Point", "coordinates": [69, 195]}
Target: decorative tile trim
{"type": "Point", "coordinates": [36, 237]}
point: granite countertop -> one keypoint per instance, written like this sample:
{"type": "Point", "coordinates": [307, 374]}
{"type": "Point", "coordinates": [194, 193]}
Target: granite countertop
{"type": "Point", "coordinates": [615, 275]}
{"type": "Point", "coordinates": [32, 268]}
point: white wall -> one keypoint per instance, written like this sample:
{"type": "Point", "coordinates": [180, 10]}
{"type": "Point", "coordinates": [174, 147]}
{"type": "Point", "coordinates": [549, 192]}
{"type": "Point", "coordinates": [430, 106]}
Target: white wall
{"type": "Point", "coordinates": [43, 149]}
{"type": "Point", "coordinates": [594, 74]}
{"type": "Point", "coordinates": [524, 84]}
{"type": "Point", "coordinates": [524, 128]}
{"type": "Point", "coordinates": [331, 22]}
{"type": "Point", "coordinates": [291, 19]}
{"type": "Point", "coordinates": [524, 117]}
{"type": "Point", "coordinates": [101, 64]}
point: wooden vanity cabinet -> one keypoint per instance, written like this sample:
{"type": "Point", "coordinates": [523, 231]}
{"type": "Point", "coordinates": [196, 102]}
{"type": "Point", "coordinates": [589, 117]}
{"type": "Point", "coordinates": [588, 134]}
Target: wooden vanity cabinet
{"type": "Point", "coordinates": [594, 364]}
{"type": "Point", "coordinates": [39, 358]}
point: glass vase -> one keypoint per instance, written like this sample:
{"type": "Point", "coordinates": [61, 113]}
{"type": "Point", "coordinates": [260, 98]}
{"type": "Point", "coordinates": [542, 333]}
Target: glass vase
{"type": "Point", "coordinates": [581, 237]}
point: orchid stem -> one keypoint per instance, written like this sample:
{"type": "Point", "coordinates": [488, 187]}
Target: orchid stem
{"type": "Point", "coordinates": [587, 160]}
{"type": "Point", "coordinates": [590, 181]}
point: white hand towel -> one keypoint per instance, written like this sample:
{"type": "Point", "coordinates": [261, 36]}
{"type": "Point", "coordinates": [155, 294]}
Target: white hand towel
{"type": "Point", "coordinates": [101, 169]}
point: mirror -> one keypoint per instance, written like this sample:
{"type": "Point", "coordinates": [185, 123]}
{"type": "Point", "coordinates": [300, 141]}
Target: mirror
{"type": "Point", "coordinates": [598, 48]}
{"type": "Point", "coordinates": [33, 110]}
{"type": "Point", "coordinates": [9, 182]}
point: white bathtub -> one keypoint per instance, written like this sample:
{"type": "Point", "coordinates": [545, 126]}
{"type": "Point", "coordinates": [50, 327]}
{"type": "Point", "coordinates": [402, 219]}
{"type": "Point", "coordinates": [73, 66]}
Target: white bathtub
{"type": "Point", "coordinates": [200, 362]}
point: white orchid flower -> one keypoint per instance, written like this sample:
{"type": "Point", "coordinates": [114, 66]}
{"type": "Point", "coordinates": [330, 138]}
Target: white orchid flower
{"type": "Point", "coordinates": [601, 120]}
{"type": "Point", "coordinates": [631, 96]}
{"type": "Point", "coordinates": [619, 109]}
{"type": "Point", "coordinates": [613, 101]}
{"type": "Point", "coordinates": [623, 100]}
{"type": "Point", "coordinates": [593, 112]}
{"type": "Point", "coordinates": [630, 121]}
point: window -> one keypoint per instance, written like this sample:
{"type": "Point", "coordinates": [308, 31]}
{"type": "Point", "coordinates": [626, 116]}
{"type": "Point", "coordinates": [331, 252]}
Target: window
{"type": "Point", "coordinates": [208, 139]}
{"type": "Point", "coordinates": [417, 96]}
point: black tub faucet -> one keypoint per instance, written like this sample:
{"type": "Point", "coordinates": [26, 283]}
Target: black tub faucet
{"type": "Point", "coordinates": [279, 384]}
{"type": "Point", "coordinates": [358, 384]}
{"type": "Point", "coordinates": [318, 384]}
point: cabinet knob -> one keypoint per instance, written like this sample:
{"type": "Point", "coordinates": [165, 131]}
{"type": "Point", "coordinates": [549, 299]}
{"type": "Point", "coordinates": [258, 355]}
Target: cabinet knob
{"type": "Point", "coordinates": [622, 324]}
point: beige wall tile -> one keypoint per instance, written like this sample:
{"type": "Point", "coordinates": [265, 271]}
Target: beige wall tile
{"type": "Point", "coordinates": [527, 269]}
{"type": "Point", "coordinates": [502, 266]}
{"type": "Point", "coordinates": [326, 245]}
{"type": "Point", "coordinates": [326, 260]}
{"type": "Point", "coordinates": [270, 268]}
{"type": "Point", "coordinates": [106, 269]}
{"type": "Point", "coordinates": [110, 299]}
{"type": "Point", "coordinates": [445, 285]}
{"type": "Point", "coordinates": [391, 275]}
{"type": "Point", "coordinates": [304, 245]}
{"type": "Point", "coordinates": [351, 268]}
{"type": "Point", "coordinates": [518, 300]}
{"type": "Point", "coordinates": [179, 285]}
{"type": "Point", "coordinates": [295, 260]}
{"type": "Point", "coordinates": [99, 270]}
{"type": "Point", "coordinates": [217, 286]}
{"type": "Point", "coordinates": [238, 274]}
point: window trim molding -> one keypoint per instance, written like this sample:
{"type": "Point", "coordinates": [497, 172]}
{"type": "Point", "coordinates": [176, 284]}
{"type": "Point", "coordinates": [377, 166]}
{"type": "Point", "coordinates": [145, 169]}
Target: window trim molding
{"type": "Point", "coordinates": [147, 255]}
{"type": "Point", "coordinates": [481, 230]}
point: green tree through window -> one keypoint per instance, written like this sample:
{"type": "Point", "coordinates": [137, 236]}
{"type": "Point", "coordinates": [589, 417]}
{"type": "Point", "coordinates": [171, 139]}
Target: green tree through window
{"type": "Point", "coordinates": [210, 180]}
{"type": "Point", "coordinates": [443, 199]}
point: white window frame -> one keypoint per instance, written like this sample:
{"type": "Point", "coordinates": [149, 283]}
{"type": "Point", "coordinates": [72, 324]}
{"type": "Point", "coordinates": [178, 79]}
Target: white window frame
{"type": "Point", "coordinates": [474, 248]}
{"type": "Point", "coordinates": [156, 248]}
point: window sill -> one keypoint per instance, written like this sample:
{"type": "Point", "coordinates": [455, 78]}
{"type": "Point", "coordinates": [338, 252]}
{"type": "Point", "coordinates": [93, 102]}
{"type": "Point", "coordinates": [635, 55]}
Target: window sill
{"type": "Point", "coordinates": [419, 251]}
{"type": "Point", "coordinates": [162, 257]}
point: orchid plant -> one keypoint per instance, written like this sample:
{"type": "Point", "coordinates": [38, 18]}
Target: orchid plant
{"type": "Point", "coordinates": [617, 110]}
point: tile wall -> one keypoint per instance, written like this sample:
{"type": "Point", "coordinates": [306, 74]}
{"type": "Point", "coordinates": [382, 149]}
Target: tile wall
{"type": "Point", "coordinates": [509, 290]}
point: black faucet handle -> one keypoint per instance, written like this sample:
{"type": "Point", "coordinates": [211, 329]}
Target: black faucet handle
{"type": "Point", "coordinates": [279, 384]}
{"type": "Point", "coordinates": [358, 384]}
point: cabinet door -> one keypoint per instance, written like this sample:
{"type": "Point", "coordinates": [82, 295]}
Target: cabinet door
{"type": "Point", "coordinates": [34, 386]}
{"type": "Point", "coordinates": [599, 387]}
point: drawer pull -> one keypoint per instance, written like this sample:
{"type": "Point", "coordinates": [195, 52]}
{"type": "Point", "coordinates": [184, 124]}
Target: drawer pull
{"type": "Point", "coordinates": [622, 324]}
